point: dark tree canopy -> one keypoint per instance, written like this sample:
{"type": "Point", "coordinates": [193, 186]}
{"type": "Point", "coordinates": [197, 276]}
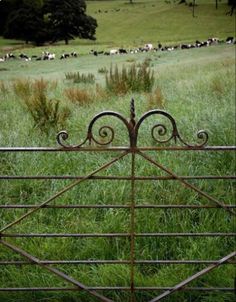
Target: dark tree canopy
{"type": "Point", "coordinates": [6, 7]}
{"type": "Point", "coordinates": [39, 21]}
{"type": "Point", "coordinates": [26, 23]}
{"type": "Point", "coordinates": [68, 19]}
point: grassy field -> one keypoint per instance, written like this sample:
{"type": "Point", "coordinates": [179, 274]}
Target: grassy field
{"type": "Point", "coordinates": [197, 87]}
{"type": "Point", "coordinates": [149, 21]}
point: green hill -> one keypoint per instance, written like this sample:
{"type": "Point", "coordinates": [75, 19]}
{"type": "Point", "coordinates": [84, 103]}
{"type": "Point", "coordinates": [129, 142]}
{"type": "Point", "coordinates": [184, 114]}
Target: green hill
{"type": "Point", "coordinates": [159, 20]}
{"type": "Point", "coordinates": [121, 24]}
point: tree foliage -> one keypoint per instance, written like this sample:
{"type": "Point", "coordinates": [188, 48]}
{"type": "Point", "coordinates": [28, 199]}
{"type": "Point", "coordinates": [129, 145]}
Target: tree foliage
{"type": "Point", "coordinates": [68, 19]}
{"type": "Point", "coordinates": [39, 21]}
{"type": "Point", "coordinates": [27, 23]}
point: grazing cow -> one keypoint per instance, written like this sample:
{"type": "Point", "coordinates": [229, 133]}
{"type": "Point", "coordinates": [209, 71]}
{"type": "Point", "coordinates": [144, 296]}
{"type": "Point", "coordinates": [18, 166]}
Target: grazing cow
{"type": "Point", "coordinates": [9, 56]}
{"type": "Point", "coordinates": [148, 46]}
{"type": "Point", "coordinates": [51, 56]}
{"type": "Point", "coordinates": [23, 56]}
{"type": "Point", "coordinates": [213, 40]}
{"type": "Point", "coordinates": [74, 54]}
{"type": "Point", "coordinates": [136, 50]}
{"type": "Point", "coordinates": [46, 55]}
{"type": "Point", "coordinates": [122, 51]}
{"type": "Point", "coordinates": [198, 43]}
{"type": "Point", "coordinates": [184, 46]}
{"type": "Point", "coordinates": [230, 40]}
{"type": "Point", "coordinates": [96, 53]}
{"type": "Point", "coordinates": [64, 56]}
{"type": "Point", "coordinates": [114, 52]}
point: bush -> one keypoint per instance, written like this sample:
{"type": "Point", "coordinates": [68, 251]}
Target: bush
{"type": "Point", "coordinates": [102, 70]}
{"type": "Point", "coordinates": [22, 88]}
{"type": "Point", "coordinates": [3, 88]}
{"type": "Point", "coordinates": [80, 78]}
{"type": "Point", "coordinates": [45, 112]}
{"type": "Point", "coordinates": [156, 100]}
{"type": "Point", "coordinates": [132, 78]}
{"type": "Point", "coordinates": [77, 95]}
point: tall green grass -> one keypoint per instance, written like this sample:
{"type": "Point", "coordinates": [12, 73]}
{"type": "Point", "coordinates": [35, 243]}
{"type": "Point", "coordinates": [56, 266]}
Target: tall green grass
{"type": "Point", "coordinates": [198, 89]}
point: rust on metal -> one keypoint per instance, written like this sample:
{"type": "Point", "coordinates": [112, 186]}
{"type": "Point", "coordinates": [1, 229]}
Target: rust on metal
{"type": "Point", "coordinates": [54, 271]}
{"type": "Point", "coordinates": [103, 140]}
{"type": "Point", "coordinates": [193, 277]}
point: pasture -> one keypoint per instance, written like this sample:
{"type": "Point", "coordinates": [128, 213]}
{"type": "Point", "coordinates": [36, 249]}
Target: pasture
{"type": "Point", "coordinates": [196, 86]}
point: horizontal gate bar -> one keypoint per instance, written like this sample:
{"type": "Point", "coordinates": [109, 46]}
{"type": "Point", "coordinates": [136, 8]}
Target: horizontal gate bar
{"type": "Point", "coordinates": [109, 149]}
{"type": "Point", "coordinates": [122, 235]}
{"type": "Point", "coordinates": [96, 206]}
{"type": "Point", "coordinates": [6, 262]}
{"type": "Point", "coordinates": [15, 289]}
{"type": "Point", "coordinates": [63, 177]}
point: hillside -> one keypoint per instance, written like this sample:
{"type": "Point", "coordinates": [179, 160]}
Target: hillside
{"type": "Point", "coordinates": [123, 25]}
{"type": "Point", "coordinates": [159, 20]}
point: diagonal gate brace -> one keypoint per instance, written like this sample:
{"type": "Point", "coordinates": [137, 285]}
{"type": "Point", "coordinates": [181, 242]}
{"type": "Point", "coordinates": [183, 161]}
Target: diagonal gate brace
{"type": "Point", "coordinates": [55, 271]}
{"type": "Point", "coordinates": [193, 277]}
{"type": "Point", "coordinates": [187, 184]}
{"type": "Point", "coordinates": [61, 192]}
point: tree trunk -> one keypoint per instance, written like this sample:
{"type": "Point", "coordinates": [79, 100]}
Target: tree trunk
{"type": "Point", "coordinates": [216, 4]}
{"type": "Point", "coordinates": [66, 41]}
{"type": "Point", "coordinates": [193, 8]}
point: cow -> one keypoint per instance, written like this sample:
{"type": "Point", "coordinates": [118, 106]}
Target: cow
{"type": "Point", "coordinates": [212, 40]}
{"type": "Point", "coordinates": [122, 51]}
{"type": "Point", "coordinates": [148, 46]}
{"type": "Point", "coordinates": [230, 40]}
{"type": "Point", "coordinates": [74, 54]}
{"type": "Point", "coordinates": [64, 56]}
{"type": "Point", "coordinates": [23, 56]}
{"type": "Point", "coordinates": [9, 56]}
{"type": "Point", "coordinates": [114, 52]}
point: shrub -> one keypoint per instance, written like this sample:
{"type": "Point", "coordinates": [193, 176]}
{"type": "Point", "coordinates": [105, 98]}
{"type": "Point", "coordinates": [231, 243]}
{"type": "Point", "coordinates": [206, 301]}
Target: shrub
{"type": "Point", "coordinates": [155, 100]}
{"type": "Point", "coordinates": [80, 78]}
{"type": "Point", "coordinates": [100, 93]}
{"type": "Point", "coordinates": [3, 88]}
{"type": "Point", "coordinates": [45, 112]}
{"type": "Point", "coordinates": [132, 78]}
{"type": "Point", "coordinates": [102, 70]}
{"type": "Point", "coordinates": [22, 88]}
{"type": "Point", "coordinates": [77, 95]}
{"type": "Point", "coordinates": [217, 86]}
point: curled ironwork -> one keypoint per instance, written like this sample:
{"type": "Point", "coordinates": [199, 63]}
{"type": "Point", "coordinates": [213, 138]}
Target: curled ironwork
{"type": "Point", "coordinates": [160, 132]}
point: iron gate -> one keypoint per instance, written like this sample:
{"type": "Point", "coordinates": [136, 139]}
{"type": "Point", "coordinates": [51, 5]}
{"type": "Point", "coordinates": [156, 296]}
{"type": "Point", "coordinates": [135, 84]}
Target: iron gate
{"type": "Point", "coordinates": [170, 143]}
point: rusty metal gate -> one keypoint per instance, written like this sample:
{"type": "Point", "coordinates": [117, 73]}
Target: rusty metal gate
{"type": "Point", "coordinates": [172, 142]}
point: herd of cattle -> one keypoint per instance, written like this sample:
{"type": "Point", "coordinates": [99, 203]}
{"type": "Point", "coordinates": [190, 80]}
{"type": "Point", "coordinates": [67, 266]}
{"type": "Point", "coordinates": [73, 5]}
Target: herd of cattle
{"type": "Point", "coordinates": [146, 48]}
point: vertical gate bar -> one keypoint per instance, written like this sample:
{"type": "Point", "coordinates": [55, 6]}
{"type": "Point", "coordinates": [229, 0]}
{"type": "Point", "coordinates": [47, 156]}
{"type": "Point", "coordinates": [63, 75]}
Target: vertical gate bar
{"type": "Point", "coordinates": [132, 227]}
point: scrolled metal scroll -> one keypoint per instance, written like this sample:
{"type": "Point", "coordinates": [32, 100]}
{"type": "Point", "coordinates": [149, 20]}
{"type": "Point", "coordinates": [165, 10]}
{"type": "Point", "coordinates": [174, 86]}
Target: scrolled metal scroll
{"type": "Point", "coordinates": [63, 136]}
{"type": "Point", "coordinates": [103, 132]}
{"type": "Point", "coordinates": [159, 128]}
{"type": "Point", "coordinates": [162, 130]}
{"type": "Point", "coordinates": [201, 135]}
{"type": "Point", "coordinates": [159, 132]}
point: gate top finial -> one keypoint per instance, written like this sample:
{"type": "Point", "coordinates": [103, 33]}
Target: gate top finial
{"type": "Point", "coordinates": [132, 113]}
